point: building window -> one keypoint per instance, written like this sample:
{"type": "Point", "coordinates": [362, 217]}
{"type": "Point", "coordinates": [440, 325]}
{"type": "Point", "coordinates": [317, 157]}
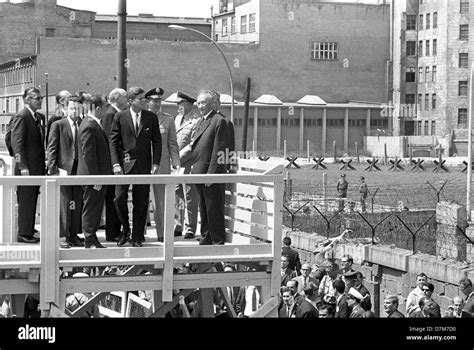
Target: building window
{"type": "Point", "coordinates": [232, 25]}
{"type": "Point", "coordinates": [463, 60]}
{"type": "Point", "coordinates": [420, 48]}
{"type": "Point", "coordinates": [420, 101]}
{"type": "Point", "coordinates": [435, 20]}
{"type": "Point", "coordinates": [463, 87]}
{"type": "Point", "coordinates": [411, 22]}
{"type": "Point", "coordinates": [324, 51]}
{"type": "Point", "coordinates": [427, 102]}
{"type": "Point", "coordinates": [17, 105]}
{"type": "Point", "coordinates": [410, 75]}
{"type": "Point", "coordinates": [410, 99]}
{"type": "Point", "coordinates": [433, 128]}
{"type": "Point", "coordinates": [8, 105]}
{"type": "Point", "coordinates": [435, 73]}
{"type": "Point", "coordinates": [464, 32]}
{"type": "Point", "coordinates": [426, 128]}
{"type": "Point", "coordinates": [435, 47]}
{"type": "Point", "coordinates": [428, 21]}
{"type": "Point", "coordinates": [420, 75]}
{"type": "Point", "coordinates": [224, 27]}
{"type": "Point", "coordinates": [464, 6]}
{"type": "Point", "coordinates": [427, 74]}
{"type": "Point", "coordinates": [243, 24]}
{"type": "Point", "coordinates": [462, 117]}
{"type": "Point", "coordinates": [433, 101]}
{"type": "Point", "coordinates": [427, 50]}
{"type": "Point", "coordinates": [50, 32]}
{"type": "Point", "coordinates": [419, 127]}
{"type": "Point", "coordinates": [420, 23]}
{"type": "Point", "coordinates": [252, 23]}
{"type": "Point", "coordinates": [411, 48]}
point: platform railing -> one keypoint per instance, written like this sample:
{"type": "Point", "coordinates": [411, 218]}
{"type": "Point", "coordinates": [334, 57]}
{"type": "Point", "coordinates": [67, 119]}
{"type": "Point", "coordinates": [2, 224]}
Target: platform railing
{"type": "Point", "coordinates": [164, 256]}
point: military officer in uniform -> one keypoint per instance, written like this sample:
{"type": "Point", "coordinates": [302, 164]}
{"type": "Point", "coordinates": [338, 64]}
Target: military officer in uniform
{"type": "Point", "coordinates": [169, 154]}
{"type": "Point", "coordinates": [342, 186]}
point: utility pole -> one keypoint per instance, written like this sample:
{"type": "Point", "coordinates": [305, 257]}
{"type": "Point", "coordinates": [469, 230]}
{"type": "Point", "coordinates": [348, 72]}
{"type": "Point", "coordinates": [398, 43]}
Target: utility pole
{"type": "Point", "coordinates": [122, 62]}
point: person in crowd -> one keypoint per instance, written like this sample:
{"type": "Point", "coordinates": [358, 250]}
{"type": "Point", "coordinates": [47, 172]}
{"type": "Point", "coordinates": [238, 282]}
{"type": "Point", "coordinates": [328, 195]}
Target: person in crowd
{"type": "Point", "coordinates": [248, 300]}
{"type": "Point", "coordinates": [75, 300]}
{"type": "Point", "coordinates": [287, 308]}
{"type": "Point", "coordinates": [63, 154]}
{"type": "Point", "coordinates": [295, 263]}
{"type": "Point", "coordinates": [169, 155]}
{"type": "Point", "coordinates": [313, 297]}
{"type": "Point", "coordinates": [326, 284]}
{"type": "Point", "coordinates": [293, 285]}
{"type": "Point", "coordinates": [359, 286]}
{"type": "Point", "coordinates": [416, 294]}
{"type": "Point", "coordinates": [304, 279]}
{"type": "Point", "coordinates": [465, 286]}
{"type": "Point", "coordinates": [354, 300]}
{"type": "Point", "coordinates": [363, 192]}
{"type": "Point", "coordinates": [94, 159]}
{"type": "Point", "coordinates": [326, 311]}
{"type": "Point", "coordinates": [390, 307]}
{"type": "Point", "coordinates": [185, 124]}
{"type": "Point", "coordinates": [135, 147]}
{"type": "Point", "coordinates": [425, 309]}
{"type": "Point", "coordinates": [62, 102]}
{"type": "Point", "coordinates": [27, 144]}
{"type": "Point", "coordinates": [368, 314]}
{"type": "Point", "coordinates": [307, 309]}
{"type": "Point", "coordinates": [428, 289]}
{"type": "Point", "coordinates": [286, 273]}
{"type": "Point", "coordinates": [341, 188]}
{"type": "Point", "coordinates": [118, 102]}
{"type": "Point", "coordinates": [342, 307]}
{"type": "Point", "coordinates": [458, 312]}
{"type": "Point", "coordinates": [325, 248]}
{"type": "Point", "coordinates": [346, 262]}
{"type": "Point", "coordinates": [210, 141]}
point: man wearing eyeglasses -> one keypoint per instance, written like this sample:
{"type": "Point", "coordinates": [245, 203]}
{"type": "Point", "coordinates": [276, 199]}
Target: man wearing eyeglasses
{"type": "Point", "coordinates": [428, 289]}
{"type": "Point", "coordinates": [27, 143]}
{"type": "Point", "coordinates": [135, 148]}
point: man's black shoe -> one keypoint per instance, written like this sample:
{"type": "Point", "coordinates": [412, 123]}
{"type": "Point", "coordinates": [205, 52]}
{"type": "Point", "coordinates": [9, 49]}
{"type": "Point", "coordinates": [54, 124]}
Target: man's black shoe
{"type": "Point", "coordinates": [28, 240]}
{"type": "Point", "coordinates": [161, 239]}
{"type": "Point", "coordinates": [123, 239]}
{"type": "Point", "coordinates": [93, 243]}
{"type": "Point", "coordinates": [178, 233]}
{"type": "Point", "coordinates": [137, 244]}
{"type": "Point", "coordinates": [189, 235]}
{"type": "Point", "coordinates": [74, 241]}
{"type": "Point", "coordinates": [112, 239]}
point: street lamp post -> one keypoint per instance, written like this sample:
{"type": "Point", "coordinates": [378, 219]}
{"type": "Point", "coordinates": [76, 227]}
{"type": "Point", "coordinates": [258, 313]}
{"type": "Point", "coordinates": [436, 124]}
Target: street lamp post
{"type": "Point", "coordinates": [177, 27]}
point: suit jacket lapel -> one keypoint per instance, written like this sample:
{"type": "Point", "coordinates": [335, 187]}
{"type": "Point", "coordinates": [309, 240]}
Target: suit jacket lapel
{"type": "Point", "coordinates": [68, 130]}
{"type": "Point", "coordinates": [129, 119]}
{"type": "Point", "coordinates": [204, 125]}
{"type": "Point", "coordinates": [141, 123]}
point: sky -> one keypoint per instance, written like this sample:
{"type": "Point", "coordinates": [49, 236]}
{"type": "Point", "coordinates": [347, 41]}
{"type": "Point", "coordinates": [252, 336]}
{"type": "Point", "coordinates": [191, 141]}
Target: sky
{"type": "Point", "coordinates": [173, 8]}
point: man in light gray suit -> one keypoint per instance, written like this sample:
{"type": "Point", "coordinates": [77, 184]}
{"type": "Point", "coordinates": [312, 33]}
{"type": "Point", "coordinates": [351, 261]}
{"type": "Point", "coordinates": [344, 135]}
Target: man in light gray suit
{"type": "Point", "coordinates": [169, 155]}
{"type": "Point", "coordinates": [186, 122]}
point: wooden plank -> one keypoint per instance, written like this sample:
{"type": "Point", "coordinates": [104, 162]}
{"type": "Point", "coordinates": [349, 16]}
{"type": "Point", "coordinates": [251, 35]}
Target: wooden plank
{"type": "Point", "coordinates": [168, 243]}
{"type": "Point", "coordinates": [250, 217]}
{"type": "Point", "coordinates": [257, 164]}
{"type": "Point", "coordinates": [252, 190]}
{"type": "Point", "coordinates": [228, 302]}
{"type": "Point", "coordinates": [157, 262]}
{"type": "Point", "coordinates": [276, 169]}
{"type": "Point", "coordinates": [210, 251]}
{"type": "Point", "coordinates": [236, 238]}
{"type": "Point", "coordinates": [154, 253]}
{"type": "Point", "coordinates": [55, 312]}
{"type": "Point", "coordinates": [206, 304]}
{"type": "Point", "coordinates": [248, 229]}
{"type": "Point", "coordinates": [7, 210]}
{"type": "Point", "coordinates": [18, 287]}
{"type": "Point", "coordinates": [33, 275]}
{"type": "Point", "coordinates": [226, 258]}
{"type": "Point", "coordinates": [183, 307]}
{"type": "Point", "coordinates": [277, 239]}
{"type": "Point", "coordinates": [266, 309]}
{"type": "Point", "coordinates": [167, 307]}
{"type": "Point", "coordinates": [248, 203]}
{"type": "Point", "coordinates": [49, 292]}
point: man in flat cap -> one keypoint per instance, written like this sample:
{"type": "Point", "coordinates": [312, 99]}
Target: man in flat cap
{"type": "Point", "coordinates": [169, 154]}
{"type": "Point", "coordinates": [354, 301]}
{"type": "Point", "coordinates": [341, 187]}
{"type": "Point", "coordinates": [185, 122]}
{"type": "Point", "coordinates": [135, 148]}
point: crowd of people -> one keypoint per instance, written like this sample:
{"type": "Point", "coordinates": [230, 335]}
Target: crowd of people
{"type": "Point", "coordinates": [124, 133]}
{"type": "Point", "coordinates": [325, 290]}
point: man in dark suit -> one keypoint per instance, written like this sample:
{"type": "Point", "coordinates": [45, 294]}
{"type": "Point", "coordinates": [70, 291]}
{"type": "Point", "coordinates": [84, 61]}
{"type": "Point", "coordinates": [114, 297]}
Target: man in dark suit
{"type": "Point", "coordinates": [458, 312]}
{"type": "Point", "coordinates": [390, 306]}
{"type": "Point", "coordinates": [306, 309]}
{"type": "Point", "coordinates": [209, 144]}
{"type": "Point", "coordinates": [295, 263]}
{"type": "Point", "coordinates": [63, 153]}
{"type": "Point", "coordinates": [135, 148]}
{"type": "Point", "coordinates": [94, 159]}
{"type": "Point", "coordinates": [27, 141]}
{"type": "Point", "coordinates": [287, 274]}
{"type": "Point", "coordinates": [342, 306]}
{"type": "Point", "coordinates": [62, 102]}
{"type": "Point", "coordinates": [287, 308]}
{"type": "Point", "coordinates": [465, 286]}
{"type": "Point", "coordinates": [118, 102]}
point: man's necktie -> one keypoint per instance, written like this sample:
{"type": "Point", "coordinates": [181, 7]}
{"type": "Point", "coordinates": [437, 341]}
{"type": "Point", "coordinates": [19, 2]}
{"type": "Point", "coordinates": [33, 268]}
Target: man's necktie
{"type": "Point", "coordinates": [76, 141]}
{"type": "Point", "coordinates": [254, 299]}
{"type": "Point", "coordinates": [137, 126]}
{"type": "Point", "coordinates": [38, 124]}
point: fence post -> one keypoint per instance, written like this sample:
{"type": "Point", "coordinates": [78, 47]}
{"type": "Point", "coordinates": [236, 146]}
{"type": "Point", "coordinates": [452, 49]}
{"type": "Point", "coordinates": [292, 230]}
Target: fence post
{"type": "Point", "coordinates": [334, 150]}
{"type": "Point", "coordinates": [325, 191]}
{"type": "Point", "coordinates": [309, 156]}
{"type": "Point", "coordinates": [284, 149]}
{"type": "Point", "coordinates": [357, 152]}
{"type": "Point", "coordinates": [253, 149]}
{"type": "Point", "coordinates": [385, 154]}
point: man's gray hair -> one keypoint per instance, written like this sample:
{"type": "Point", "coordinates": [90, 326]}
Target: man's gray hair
{"type": "Point", "coordinates": [115, 94]}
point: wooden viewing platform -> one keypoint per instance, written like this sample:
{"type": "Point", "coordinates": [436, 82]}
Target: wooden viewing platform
{"type": "Point", "coordinates": [254, 202]}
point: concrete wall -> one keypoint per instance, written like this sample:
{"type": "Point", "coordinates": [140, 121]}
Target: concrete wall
{"type": "Point", "coordinates": [395, 146]}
